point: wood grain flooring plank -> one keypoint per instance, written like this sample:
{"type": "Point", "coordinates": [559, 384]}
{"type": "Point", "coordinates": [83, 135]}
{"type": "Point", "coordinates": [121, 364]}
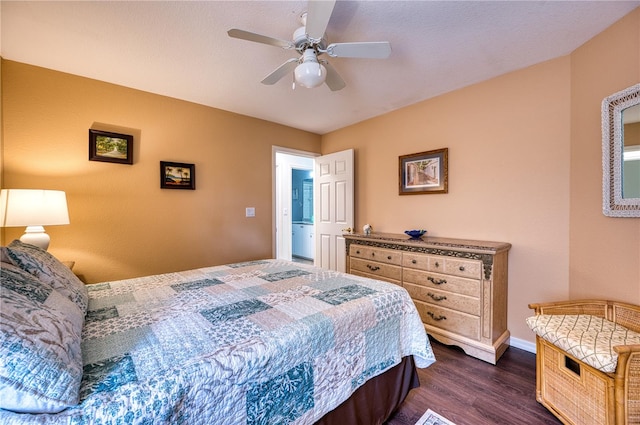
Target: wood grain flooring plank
{"type": "Point", "coordinates": [469, 391]}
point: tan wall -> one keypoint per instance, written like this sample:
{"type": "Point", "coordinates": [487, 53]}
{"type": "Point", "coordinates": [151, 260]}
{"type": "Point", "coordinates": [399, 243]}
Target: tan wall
{"type": "Point", "coordinates": [605, 251]}
{"type": "Point", "coordinates": [122, 223]}
{"type": "Point", "coordinates": [1, 132]}
{"type": "Point", "coordinates": [508, 141]}
{"type": "Point", "coordinates": [524, 167]}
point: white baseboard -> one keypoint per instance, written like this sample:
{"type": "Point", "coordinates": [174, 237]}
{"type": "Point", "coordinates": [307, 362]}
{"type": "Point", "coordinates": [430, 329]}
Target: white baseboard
{"type": "Point", "coordinates": [523, 345]}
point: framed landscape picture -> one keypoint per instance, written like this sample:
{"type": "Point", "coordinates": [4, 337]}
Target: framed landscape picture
{"type": "Point", "coordinates": [177, 175]}
{"type": "Point", "coordinates": [110, 147]}
{"type": "Point", "coordinates": [424, 172]}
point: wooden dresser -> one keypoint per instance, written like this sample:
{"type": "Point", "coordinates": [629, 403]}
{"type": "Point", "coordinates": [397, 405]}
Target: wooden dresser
{"type": "Point", "coordinates": [458, 286]}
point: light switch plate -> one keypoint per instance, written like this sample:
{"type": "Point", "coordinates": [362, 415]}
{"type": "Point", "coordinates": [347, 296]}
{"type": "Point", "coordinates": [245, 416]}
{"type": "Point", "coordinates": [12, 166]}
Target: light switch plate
{"type": "Point", "coordinates": [250, 212]}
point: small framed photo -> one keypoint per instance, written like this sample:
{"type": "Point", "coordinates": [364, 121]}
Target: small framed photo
{"type": "Point", "coordinates": [177, 175]}
{"type": "Point", "coordinates": [110, 147]}
{"type": "Point", "coordinates": [424, 172]}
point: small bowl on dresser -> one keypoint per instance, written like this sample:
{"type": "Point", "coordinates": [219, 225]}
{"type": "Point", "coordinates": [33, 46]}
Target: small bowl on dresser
{"type": "Point", "coordinates": [415, 234]}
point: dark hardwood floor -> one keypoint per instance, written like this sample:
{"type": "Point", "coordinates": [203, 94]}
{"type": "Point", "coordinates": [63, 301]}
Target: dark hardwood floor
{"type": "Point", "coordinates": [469, 391]}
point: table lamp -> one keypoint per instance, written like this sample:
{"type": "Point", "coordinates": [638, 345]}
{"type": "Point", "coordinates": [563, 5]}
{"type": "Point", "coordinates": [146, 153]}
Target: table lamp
{"type": "Point", "coordinates": [33, 208]}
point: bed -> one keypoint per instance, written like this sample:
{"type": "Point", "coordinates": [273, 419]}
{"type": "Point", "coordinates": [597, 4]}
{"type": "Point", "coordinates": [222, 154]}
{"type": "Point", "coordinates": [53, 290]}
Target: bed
{"type": "Point", "coordinates": [259, 342]}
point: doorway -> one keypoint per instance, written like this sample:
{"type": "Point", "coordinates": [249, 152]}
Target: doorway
{"type": "Point", "coordinates": [331, 193]}
{"type": "Point", "coordinates": [302, 234]}
{"type": "Point", "coordinates": [294, 230]}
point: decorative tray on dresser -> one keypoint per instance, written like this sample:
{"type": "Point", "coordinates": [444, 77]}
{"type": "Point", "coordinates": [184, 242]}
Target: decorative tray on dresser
{"type": "Point", "coordinates": [459, 286]}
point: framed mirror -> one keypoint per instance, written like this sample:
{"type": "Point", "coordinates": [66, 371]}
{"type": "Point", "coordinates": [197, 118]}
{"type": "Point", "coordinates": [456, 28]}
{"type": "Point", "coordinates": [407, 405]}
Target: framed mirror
{"type": "Point", "coordinates": [621, 153]}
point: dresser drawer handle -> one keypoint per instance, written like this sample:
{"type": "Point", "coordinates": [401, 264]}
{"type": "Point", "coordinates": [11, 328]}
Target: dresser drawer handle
{"type": "Point", "coordinates": [437, 264]}
{"type": "Point", "coordinates": [437, 319]}
{"type": "Point", "coordinates": [414, 262]}
{"type": "Point", "coordinates": [436, 297]}
{"type": "Point", "coordinates": [436, 281]}
{"type": "Point", "coordinates": [357, 252]}
{"type": "Point", "coordinates": [373, 268]}
{"type": "Point", "coordinates": [388, 257]}
{"type": "Point", "coordinates": [461, 268]}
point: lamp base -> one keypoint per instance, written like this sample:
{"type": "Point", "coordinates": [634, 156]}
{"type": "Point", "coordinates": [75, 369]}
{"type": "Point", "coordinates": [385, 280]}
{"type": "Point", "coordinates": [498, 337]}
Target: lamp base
{"type": "Point", "coordinates": [35, 235]}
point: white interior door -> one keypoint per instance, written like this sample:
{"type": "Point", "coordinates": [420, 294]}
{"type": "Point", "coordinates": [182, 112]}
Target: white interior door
{"type": "Point", "coordinates": [333, 192]}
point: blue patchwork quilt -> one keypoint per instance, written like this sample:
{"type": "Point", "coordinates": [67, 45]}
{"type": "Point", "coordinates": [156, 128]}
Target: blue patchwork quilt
{"type": "Point", "coordinates": [262, 342]}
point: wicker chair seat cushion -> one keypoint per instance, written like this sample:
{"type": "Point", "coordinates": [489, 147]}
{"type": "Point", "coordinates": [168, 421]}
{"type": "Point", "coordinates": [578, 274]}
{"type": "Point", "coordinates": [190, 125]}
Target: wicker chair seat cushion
{"type": "Point", "coordinates": [589, 339]}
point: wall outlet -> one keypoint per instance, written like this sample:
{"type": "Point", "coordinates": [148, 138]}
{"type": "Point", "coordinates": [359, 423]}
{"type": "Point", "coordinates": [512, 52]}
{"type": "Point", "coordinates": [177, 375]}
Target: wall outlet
{"type": "Point", "coordinates": [250, 212]}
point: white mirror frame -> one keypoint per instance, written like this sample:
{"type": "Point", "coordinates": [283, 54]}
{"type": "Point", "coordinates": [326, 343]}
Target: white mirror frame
{"type": "Point", "coordinates": [613, 204]}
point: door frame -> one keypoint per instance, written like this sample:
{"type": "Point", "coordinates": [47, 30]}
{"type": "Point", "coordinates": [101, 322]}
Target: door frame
{"type": "Point", "coordinates": [276, 195]}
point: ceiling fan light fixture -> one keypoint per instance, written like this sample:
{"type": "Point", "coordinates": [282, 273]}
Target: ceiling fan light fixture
{"type": "Point", "coordinates": [310, 73]}
{"type": "Point", "coordinates": [309, 40]}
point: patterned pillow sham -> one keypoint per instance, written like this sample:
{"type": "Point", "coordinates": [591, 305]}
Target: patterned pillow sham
{"type": "Point", "coordinates": [41, 330]}
{"type": "Point", "coordinates": [8, 265]}
{"type": "Point", "coordinates": [49, 270]}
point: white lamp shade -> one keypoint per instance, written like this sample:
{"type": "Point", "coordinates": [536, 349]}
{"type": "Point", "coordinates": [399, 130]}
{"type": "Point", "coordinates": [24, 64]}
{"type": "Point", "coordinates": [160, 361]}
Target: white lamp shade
{"type": "Point", "coordinates": [310, 74]}
{"type": "Point", "coordinates": [33, 207]}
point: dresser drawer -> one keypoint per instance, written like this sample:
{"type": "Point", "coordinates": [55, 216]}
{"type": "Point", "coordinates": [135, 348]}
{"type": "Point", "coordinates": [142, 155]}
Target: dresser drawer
{"type": "Point", "coordinates": [374, 268]}
{"type": "Point", "coordinates": [463, 303]}
{"type": "Point", "coordinates": [449, 320]}
{"type": "Point", "coordinates": [381, 255]}
{"type": "Point", "coordinates": [370, 276]}
{"type": "Point", "coordinates": [463, 268]}
{"type": "Point", "coordinates": [438, 263]}
{"type": "Point", "coordinates": [415, 261]}
{"type": "Point", "coordinates": [442, 282]}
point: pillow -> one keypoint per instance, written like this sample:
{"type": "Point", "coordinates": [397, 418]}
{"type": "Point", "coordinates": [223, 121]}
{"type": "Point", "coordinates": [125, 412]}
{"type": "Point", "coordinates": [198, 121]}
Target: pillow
{"type": "Point", "coordinates": [49, 270]}
{"type": "Point", "coordinates": [4, 256]}
{"type": "Point", "coordinates": [41, 367]}
{"type": "Point", "coordinates": [4, 265]}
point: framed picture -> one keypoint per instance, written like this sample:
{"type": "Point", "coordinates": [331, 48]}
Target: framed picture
{"type": "Point", "coordinates": [424, 172]}
{"type": "Point", "coordinates": [177, 175]}
{"type": "Point", "coordinates": [110, 147]}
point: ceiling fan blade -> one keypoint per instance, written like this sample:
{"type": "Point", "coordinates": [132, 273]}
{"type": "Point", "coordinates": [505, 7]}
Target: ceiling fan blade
{"type": "Point", "coordinates": [318, 15]}
{"type": "Point", "coordinates": [251, 36]}
{"type": "Point", "coordinates": [334, 81]}
{"type": "Point", "coordinates": [371, 50]}
{"type": "Point", "coordinates": [280, 72]}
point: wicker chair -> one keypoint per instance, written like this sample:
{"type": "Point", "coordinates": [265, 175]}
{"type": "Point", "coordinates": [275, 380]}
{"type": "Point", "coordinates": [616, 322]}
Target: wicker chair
{"type": "Point", "coordinates": [578, 393]}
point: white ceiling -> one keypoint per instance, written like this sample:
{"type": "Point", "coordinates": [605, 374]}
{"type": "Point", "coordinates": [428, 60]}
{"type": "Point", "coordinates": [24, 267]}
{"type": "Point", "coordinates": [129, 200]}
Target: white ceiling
{"type": "Point", "coordinates": [181, 49]}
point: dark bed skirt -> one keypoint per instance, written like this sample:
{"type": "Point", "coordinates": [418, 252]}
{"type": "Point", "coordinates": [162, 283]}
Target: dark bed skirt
{"type": "Point", "coordinates": [376, 399]}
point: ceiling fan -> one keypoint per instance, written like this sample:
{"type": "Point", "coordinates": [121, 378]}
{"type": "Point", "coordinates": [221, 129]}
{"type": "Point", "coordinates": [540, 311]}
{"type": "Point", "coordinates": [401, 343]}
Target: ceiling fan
{"type": "Point", "coordinates": [310, 42]}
